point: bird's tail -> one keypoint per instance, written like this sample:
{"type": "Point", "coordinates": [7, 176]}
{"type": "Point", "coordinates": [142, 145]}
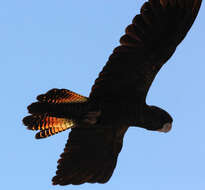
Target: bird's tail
{"type": "Point", "coordinates": [55, 111]}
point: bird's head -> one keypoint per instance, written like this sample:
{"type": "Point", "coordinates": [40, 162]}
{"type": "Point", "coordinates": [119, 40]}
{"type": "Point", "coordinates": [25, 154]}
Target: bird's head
{"type": "Point", "coordinates": [156, 119]}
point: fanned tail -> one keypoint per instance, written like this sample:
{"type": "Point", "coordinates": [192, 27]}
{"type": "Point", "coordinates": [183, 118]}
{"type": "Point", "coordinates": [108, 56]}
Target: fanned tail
{"type": "Point", "coordinates": [47, 125]}
{"type": "Point", "coordinates": [55, 111]}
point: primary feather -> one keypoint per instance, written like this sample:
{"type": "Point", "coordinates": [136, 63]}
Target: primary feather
{"type": "Point", "coordinates": [118, 97]}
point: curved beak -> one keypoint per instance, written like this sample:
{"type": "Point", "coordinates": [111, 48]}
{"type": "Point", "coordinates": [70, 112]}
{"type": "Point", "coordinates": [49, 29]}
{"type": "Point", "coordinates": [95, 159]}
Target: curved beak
{"type": "Point", "coordinates": [166, 128]}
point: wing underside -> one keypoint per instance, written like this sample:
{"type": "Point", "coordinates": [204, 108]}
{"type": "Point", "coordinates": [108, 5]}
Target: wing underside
{"type": "Point", "coordinates": [90, 155]}
{"type": "Point", "coordinates": [148, 43]}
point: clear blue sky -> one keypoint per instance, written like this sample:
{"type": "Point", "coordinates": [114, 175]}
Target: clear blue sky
{"type": "Point", "coordinates": [64, 44]}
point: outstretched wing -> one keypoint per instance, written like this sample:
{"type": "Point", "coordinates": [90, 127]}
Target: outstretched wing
{"type": "Point", "coordinates": [90, 155]}
{"type": "Point", "coordinates": [149, 42]}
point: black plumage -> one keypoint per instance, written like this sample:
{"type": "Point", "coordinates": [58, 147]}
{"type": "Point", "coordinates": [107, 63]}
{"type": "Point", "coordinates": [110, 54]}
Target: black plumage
{"type": "Point", "coordinates": [118, 97]}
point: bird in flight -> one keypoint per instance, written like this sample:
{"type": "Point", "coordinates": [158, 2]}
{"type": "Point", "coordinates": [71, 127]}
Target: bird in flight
{"type": "Point", "coordinates": [117, 99]}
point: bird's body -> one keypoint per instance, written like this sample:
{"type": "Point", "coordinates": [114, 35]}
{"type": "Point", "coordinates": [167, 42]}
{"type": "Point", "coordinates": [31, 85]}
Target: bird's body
{"type": "Point", "coordinates": [118, 97]}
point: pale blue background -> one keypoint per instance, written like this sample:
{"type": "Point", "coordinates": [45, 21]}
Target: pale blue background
{"type": "Point", "coordinates": [64, 44]}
